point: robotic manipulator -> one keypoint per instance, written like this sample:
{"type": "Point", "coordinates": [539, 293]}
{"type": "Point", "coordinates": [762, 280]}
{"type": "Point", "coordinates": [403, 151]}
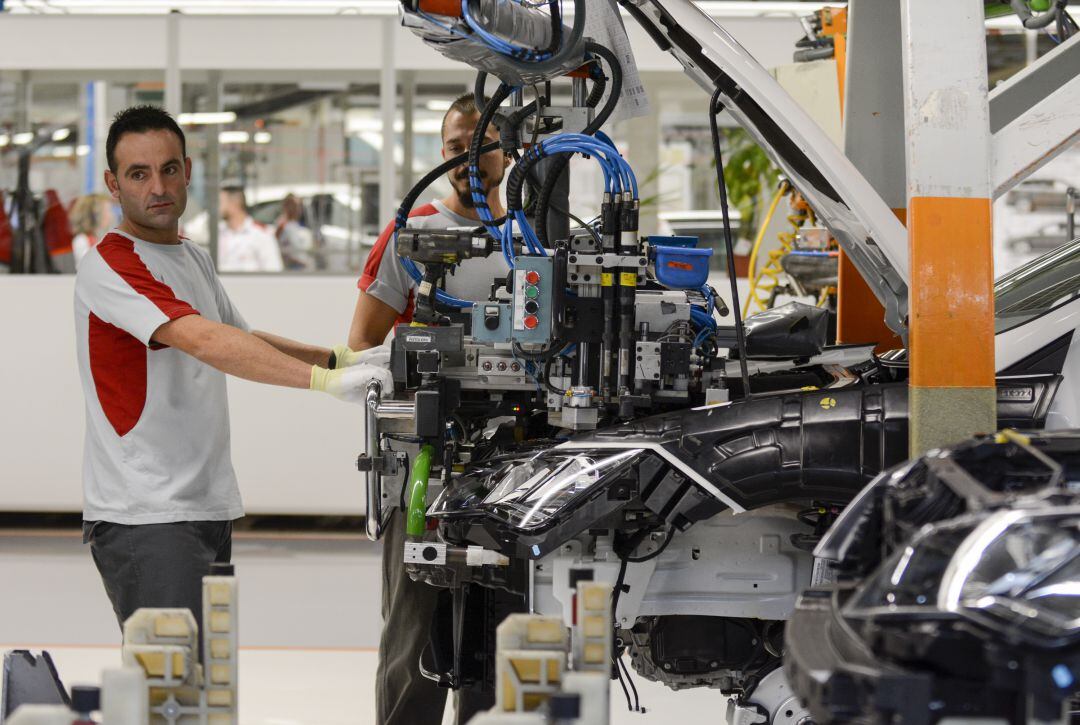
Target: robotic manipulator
{"type": "Point", "coordinates": [593, 324]}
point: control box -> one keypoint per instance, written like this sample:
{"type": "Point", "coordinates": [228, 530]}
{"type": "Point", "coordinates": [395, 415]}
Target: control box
{"type": "Point", "coordinates": [527, 318]}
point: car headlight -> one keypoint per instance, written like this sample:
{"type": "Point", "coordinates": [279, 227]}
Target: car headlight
{"type": "Point", "coordinates": [529, 493]}
{"type": "Point", "coordinates": [1014, 572]}
{"type": "Point", "coordinates": [908, 582]}
{"type": "Point", "coordinates": [1020, 570]}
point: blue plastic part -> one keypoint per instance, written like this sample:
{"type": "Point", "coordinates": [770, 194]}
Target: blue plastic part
{"type": "Point", "coordinates": [1063, 677]}
{"type": "Point", "coordinates": [684, 242]}
{"type": "Point", "coordinates": [682, 268]}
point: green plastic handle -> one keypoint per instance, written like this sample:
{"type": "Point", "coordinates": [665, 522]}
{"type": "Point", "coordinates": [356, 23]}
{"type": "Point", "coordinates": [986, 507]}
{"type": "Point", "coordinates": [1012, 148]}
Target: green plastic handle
{"type": "Point", "coordinates": [1039, 6]}
{"type": "Point", "coordinates": [416, 522]}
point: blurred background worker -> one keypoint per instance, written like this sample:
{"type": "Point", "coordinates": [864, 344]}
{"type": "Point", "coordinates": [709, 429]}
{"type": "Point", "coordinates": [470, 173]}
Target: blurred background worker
{"type": "Point", "coordinates": [91, 217]}
{"type": "Point", "coordinates": [244, 245]}
{"type": "Point", "coordinates": [295, 240]}
{"type": "Point", "coordinates": [402, 695]}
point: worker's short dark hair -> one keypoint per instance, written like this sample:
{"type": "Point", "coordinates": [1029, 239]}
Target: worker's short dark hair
{"type": "Point", "coordinates": [140, 119]}
{"type": "Point", "coordinates": [464, 104]}
{"type": "Point", "coordinates": [236, 192]}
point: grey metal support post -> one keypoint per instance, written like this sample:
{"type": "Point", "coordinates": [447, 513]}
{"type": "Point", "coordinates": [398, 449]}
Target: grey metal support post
{"type": "Point", "coordinates": [213, 164]}
{"type": "Point", "coordinates": [23, 100]}
{"type": "Point", "coordinates": [173, 84]}
{"type": "Point", "coordinates": [408, 130]}
{"type": "Point", "coordinates": [387, 107]}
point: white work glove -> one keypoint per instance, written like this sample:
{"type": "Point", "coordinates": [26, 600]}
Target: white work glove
{"type": "Point", "coordinates": [350, 384]}
{"type": "Point", "coordinates": [346, 358]}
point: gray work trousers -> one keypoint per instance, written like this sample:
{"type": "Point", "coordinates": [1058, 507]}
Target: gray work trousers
{"type": "Point", "coordinates": [157, 565]}
{"type": "Point", "coordinates": [402, 695]}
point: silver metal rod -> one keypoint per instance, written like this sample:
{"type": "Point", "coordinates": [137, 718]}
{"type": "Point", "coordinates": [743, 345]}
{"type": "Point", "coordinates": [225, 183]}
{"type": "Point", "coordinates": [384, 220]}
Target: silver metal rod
{"type": "Point", "coordinates": [532, 587]}
{"type": "Point", "coordinates": [580, 92]}
{"type": "Point", "coordinates": [373, 478]}
{"type": "Point", "coordinates": [395, 410]}
{"type": "Point", "coordinates": [583, 363]}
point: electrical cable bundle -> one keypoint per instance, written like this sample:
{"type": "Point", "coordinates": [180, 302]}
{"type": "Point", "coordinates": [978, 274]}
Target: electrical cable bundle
{"type": "Point", "coordinates": [619, 178]}
{"type": "Point", "coordinates": [703, 319]}
{"type": "Point", "coordinates": [529, 60]}
{"type": "Point", "coordinates": [508, 49]}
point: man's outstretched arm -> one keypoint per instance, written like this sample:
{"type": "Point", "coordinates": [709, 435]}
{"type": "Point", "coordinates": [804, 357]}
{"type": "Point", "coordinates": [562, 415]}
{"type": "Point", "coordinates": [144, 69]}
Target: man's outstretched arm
{"type": "Point", "coordinates": [235, 352]}
{"type": "Point", "coordinates": [311, 354]}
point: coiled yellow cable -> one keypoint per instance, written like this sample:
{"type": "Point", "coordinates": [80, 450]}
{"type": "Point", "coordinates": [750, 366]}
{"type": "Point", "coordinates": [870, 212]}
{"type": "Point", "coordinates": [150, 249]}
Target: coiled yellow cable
{"type": "Point", "coordinates": [764, 282]}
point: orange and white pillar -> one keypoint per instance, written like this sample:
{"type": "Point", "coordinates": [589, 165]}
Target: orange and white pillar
{"type": "Point", "coordinates": [948, 161]}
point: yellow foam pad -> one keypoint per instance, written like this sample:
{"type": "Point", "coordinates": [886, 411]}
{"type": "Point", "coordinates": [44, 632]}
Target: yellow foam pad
{"type": "Point", "coordinates": [219, 698]}
{"type": "Point", "coordinates": [595, 653]}
{"type": "Point", "coordinates": [219, 649]}
{"type": "Point", "coordinates": [220, 674]}
{"type": "Point", "coordinates": [595, 626]}
{"type": "Point", "coordinates": [528, 670]}
{"type": "Point", "coordinates": [220, 594]}
{"type": "Point", "coordinates": [171, 625]}
{"type": "Point", "coordinates": [544, 630]}
{"type": "Point", "coordinates": [154, 663]}
{"type": "Point", "coordinates": [596, 597]}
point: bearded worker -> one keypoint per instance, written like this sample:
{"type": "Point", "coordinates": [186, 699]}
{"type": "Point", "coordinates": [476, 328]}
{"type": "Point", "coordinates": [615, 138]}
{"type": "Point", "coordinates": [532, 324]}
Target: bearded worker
{"type": "Point", "coordinates": [387, 296]}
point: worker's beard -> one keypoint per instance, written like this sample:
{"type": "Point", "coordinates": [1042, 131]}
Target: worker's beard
{"type": "Point", "coordinates": [464, 190]}
{"type": "Point", "coordinates": [466, 198]}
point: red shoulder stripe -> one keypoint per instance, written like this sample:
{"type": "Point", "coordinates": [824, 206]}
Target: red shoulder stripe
{"type": "Point", "coordinates": [119, 253]}
{"type": "Point", "coordinates": [371, 266]}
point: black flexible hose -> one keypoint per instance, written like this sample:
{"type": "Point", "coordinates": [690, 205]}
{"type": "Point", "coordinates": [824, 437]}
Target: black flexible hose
{"type": "Point", "coordinates": [480, 100]}
{"type": "Point", "coordinates": [630, 681]}
{"type": "Point", "coordinates": [639, 15]}
{"type": "Point", "coordinates": [444, 168]}
{"type": "Point", "coordinates": [556, 28]}
{"type": "Point", "coordinates": [654, 554]}
{"type": "Point", "coordinates": [479, 94]}
{"type": "Point", "coordinates": [715, 106]}
{"type": "Point", "coordinates": [558, 168]}
{"type": "Point", "coordinates": [481, 131]}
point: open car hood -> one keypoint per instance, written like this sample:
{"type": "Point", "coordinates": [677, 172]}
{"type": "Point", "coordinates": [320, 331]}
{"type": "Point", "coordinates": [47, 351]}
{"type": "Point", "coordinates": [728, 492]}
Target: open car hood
{"type": "Point", "coordinates": [867, 230]}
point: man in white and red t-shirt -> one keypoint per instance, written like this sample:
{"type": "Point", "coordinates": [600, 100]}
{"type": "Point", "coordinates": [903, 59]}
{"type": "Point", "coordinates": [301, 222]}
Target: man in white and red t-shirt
{"type": "Point", "coordinates": [156, 335]}
{"type": "Point", "coordinates": [402, 695]}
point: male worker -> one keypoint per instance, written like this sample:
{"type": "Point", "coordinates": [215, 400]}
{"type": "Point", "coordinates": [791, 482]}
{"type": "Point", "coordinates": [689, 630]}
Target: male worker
{"type": "Point", "coordinates": [244, 245]}
{"type": "Point", "coordinates": [156, 335]}
{"type": "Point", "coordinates": [402, 695]}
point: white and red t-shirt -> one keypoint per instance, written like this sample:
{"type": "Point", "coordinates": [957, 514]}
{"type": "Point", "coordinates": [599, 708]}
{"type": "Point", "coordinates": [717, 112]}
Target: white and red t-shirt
{"type": "Point", "coordinates": [384, 278]}
{"type": "Point", "coordinates": [157, 420]}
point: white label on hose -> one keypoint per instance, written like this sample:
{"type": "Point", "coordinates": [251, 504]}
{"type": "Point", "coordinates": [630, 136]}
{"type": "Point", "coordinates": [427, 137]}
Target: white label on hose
{"type": "Point", "coordinates": [604, 25]}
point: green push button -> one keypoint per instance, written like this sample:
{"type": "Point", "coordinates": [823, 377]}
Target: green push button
{"type": "Point", "coordinates": [531, 292]}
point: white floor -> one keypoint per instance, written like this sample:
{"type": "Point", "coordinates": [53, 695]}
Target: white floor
{"type": "Point", "coordinates": [309, 626]}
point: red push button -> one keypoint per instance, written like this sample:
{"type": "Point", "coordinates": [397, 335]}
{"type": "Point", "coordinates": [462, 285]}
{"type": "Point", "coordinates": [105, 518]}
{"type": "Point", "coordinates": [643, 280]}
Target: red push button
{"type": "Point", "coordinates": [531, 322]}
{"type": "Point", "coordinates": [532, 276]}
